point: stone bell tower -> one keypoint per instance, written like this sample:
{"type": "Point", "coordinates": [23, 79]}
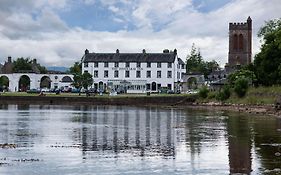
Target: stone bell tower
{"type": "Point", "coordinates": [240, 43]}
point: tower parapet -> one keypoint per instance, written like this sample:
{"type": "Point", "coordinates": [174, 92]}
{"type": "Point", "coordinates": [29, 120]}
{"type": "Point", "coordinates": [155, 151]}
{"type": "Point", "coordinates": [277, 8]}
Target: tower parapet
{"type": "Point", "coordinates": [238, 26]}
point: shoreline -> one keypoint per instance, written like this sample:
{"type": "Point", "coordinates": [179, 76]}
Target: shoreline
{"type": "Point", "coordinates": [188, 102]}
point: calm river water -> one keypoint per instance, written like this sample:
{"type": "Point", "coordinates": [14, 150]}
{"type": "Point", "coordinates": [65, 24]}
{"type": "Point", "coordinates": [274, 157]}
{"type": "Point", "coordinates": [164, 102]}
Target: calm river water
{"type": "Point", "coordinates": [131, 140]}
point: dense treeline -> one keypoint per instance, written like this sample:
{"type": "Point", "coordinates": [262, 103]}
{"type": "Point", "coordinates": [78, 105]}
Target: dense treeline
{"type": "Point", "coordinates": [196, 64]}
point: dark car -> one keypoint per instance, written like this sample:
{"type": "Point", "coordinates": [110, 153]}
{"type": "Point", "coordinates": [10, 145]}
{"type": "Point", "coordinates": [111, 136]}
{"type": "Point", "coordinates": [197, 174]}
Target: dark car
{"type": "Point", "coordinates": [170, 92]}
{"type": "Point", "coordinates": [33, 91]}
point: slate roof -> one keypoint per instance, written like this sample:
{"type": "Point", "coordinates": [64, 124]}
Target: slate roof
{"type": "Point", "coordinates": [129, 57]}
{"type": "Point", "coordinates": [180, 61]}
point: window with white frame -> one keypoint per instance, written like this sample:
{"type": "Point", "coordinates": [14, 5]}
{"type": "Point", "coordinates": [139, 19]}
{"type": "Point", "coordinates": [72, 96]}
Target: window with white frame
{"type": "Point", "coordinates": [138, 74]}
{"type": "Point", "coordinates": [158, 74]}
{"type": "Point", "coordinates": [148, 74]}
{"type": "Point", "coordinates": [169, 74]}
{"type": "Point", "coordinates": [116, 74]}
{"type": "Point", "coordinates": [158, 65]}
{"type": "Point", "coordinates": [116, 64]}
{"type": "Point", "coordinates": [127, 64]}
{"type": "Point", "coordinates": [105, 64]}
{"type": "Point", "coordinates": [96, 74]}
{"type": "Point", "coordinates": [127, 74]}
{"type": "Point", "coordinates": [169, 65]}
{"type": "Point", "coordinates": [96, 64]}
{"type": "Point", "coordinates": [105, 74]}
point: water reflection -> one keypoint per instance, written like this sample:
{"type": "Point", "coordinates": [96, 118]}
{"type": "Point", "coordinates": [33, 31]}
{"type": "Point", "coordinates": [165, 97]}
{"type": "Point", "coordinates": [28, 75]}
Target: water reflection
{"type": "Point", "coordinates": [118, 140]}
{"type": "Point", "coordinates": [127, 130]}
{"type": "Point", "coordinates": [239, 141]}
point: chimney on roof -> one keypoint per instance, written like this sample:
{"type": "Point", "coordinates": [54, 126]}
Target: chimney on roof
{"type": "Point", "coordinates": [143, 51]}
{"type": "Point", "coordinates": [9, 59]}
{"type": "Point", "coordinates": [86, 51]}
{"type": "Point", "coordinates": [117, 51]}
{"type": "Point", "coordinates": [166, 51]}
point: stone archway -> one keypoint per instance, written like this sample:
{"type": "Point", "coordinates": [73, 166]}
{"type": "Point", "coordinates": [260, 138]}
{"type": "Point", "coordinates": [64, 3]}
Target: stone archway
{"type": "Point", "coordinates": [24, 83]}
{"type": "Point", "coordinates": [192, 83]}
{"type": "Point", "coordinates": [66, 79]}
{"type": "Point", "coordinates": [45, 82]}
{"type": "Point", "coordinates": [4, 83]}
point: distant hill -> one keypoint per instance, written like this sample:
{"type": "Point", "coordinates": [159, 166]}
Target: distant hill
{"type": "Point", "coordinates": [55, 68]}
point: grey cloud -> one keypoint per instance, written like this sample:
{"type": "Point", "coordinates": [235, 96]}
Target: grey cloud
{"type": "Point", "coordinates": [49, 39]}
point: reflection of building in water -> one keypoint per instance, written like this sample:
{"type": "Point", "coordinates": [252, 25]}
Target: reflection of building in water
{"type": "Point", "coordinates": [141, 132]}
{"type": "Point", "coordinates": [239, 141]}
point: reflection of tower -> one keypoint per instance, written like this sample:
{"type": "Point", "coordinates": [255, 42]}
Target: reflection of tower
{"type": "Point", "coordinates": [240, 43]}
{"type": "Point", "coordinates": [239, 141]}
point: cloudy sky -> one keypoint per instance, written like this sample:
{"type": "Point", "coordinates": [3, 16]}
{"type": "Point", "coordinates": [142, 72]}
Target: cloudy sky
{"type": "Point", "coordinates": [57, 32]}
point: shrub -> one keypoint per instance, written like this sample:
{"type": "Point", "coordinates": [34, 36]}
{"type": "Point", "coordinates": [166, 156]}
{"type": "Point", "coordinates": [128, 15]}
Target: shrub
{"type": "Point", "coordinates": [203, 92]}
{"type": "Point", "coordinates": [224, 94]}
{"type": "Point", "coordinates": [212, 95]}
{"type": "Point", "coordinates": [241, 86]}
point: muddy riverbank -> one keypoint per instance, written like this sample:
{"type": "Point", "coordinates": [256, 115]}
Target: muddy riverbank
{"type": "Point", "coordinates": [118, 100]}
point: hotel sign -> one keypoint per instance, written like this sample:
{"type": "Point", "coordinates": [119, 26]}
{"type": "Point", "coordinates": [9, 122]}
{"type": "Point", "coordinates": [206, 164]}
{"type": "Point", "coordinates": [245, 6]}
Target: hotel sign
{"type": "Point", "coordinates": [127, 68]}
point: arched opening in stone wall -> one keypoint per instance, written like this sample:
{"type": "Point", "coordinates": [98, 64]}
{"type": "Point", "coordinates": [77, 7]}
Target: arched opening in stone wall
{"type": "Point", "coordinates": [45, 82]}
{"type": "Point", "coordinates": [66, 79]}
{"type": "Point", "coordinates": [241, 42]}
{"type": "Point", "coordinates": [235, 42]}
{"type": "Point", "coordinates": [24, 83]}
{"type": "Point", "coordinates": [4, 83]}
{"type": "Point", "coordinates": [192, 83]}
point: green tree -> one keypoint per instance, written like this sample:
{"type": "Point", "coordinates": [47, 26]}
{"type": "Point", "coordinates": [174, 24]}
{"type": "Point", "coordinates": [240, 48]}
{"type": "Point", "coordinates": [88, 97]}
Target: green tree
{"type": "Point", "coordinates": [25, 64]}
{"type": "Point", "coordinates": [22, 64]}
{"type": "Point", "coordinates": [87, 80]}
{"type": "Point", "coordinates": [82, 80]}
{"type": "Point", "coordinates": [224, 94]}
{"type": "Point", "coordinates": [241, 86]}
{"type": "Point", "coordinates": [4, 82]}
{"type": "Point", "coordinates": [242, 73]}
{"type": "Point", "coordinates": [76, 68]}
{"type": "Point", "coordinates": [77, 81]}
{"type": "Point", "coordinates": [194, 61]}
{"type": "Point", "coordinates": [267, 63]}
{"type": "Point", "coordinates": [203, 92]}
{"type": "Point", "coordinates": [196, 64]}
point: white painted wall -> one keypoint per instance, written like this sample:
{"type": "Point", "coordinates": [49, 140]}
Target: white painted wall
{"type": "Point", "coordinates": [164, 80]}
{"type": "Point", "coordinates": [35, 79]}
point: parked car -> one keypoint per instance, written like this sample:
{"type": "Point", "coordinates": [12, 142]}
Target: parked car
{"type": "Point", "coordinates": [45, 90]}
{"type": "Point", "coordinates": [170, 92]}
{"type": "Point", "coordinates": [75, 90]}
{"type": "Point", "coordinates": [33, 91]}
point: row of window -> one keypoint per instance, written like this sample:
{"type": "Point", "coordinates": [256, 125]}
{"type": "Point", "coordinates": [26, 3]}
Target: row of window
{"type": "Point", "coordinates": [116, 64]}
{"type": "Point", "coordinates": [127, 74]}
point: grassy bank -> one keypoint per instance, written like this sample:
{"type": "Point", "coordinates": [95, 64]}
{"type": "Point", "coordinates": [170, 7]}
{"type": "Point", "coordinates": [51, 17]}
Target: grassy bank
{"type": "Point", "coordinates": [24, 94]}
{"type": "Point", "coordinates": [254, 96]}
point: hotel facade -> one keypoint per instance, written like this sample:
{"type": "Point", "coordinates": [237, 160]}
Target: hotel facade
{"type": "Point", "coordinates": [134, 72]}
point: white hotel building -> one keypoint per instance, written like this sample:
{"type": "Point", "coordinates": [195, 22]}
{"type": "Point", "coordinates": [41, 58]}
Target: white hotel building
{"type": "Point", "coordinates": [134, 72]}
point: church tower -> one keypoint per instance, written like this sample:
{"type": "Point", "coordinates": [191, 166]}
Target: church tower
{"type": "Point", "coordinates": [240, 43]}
